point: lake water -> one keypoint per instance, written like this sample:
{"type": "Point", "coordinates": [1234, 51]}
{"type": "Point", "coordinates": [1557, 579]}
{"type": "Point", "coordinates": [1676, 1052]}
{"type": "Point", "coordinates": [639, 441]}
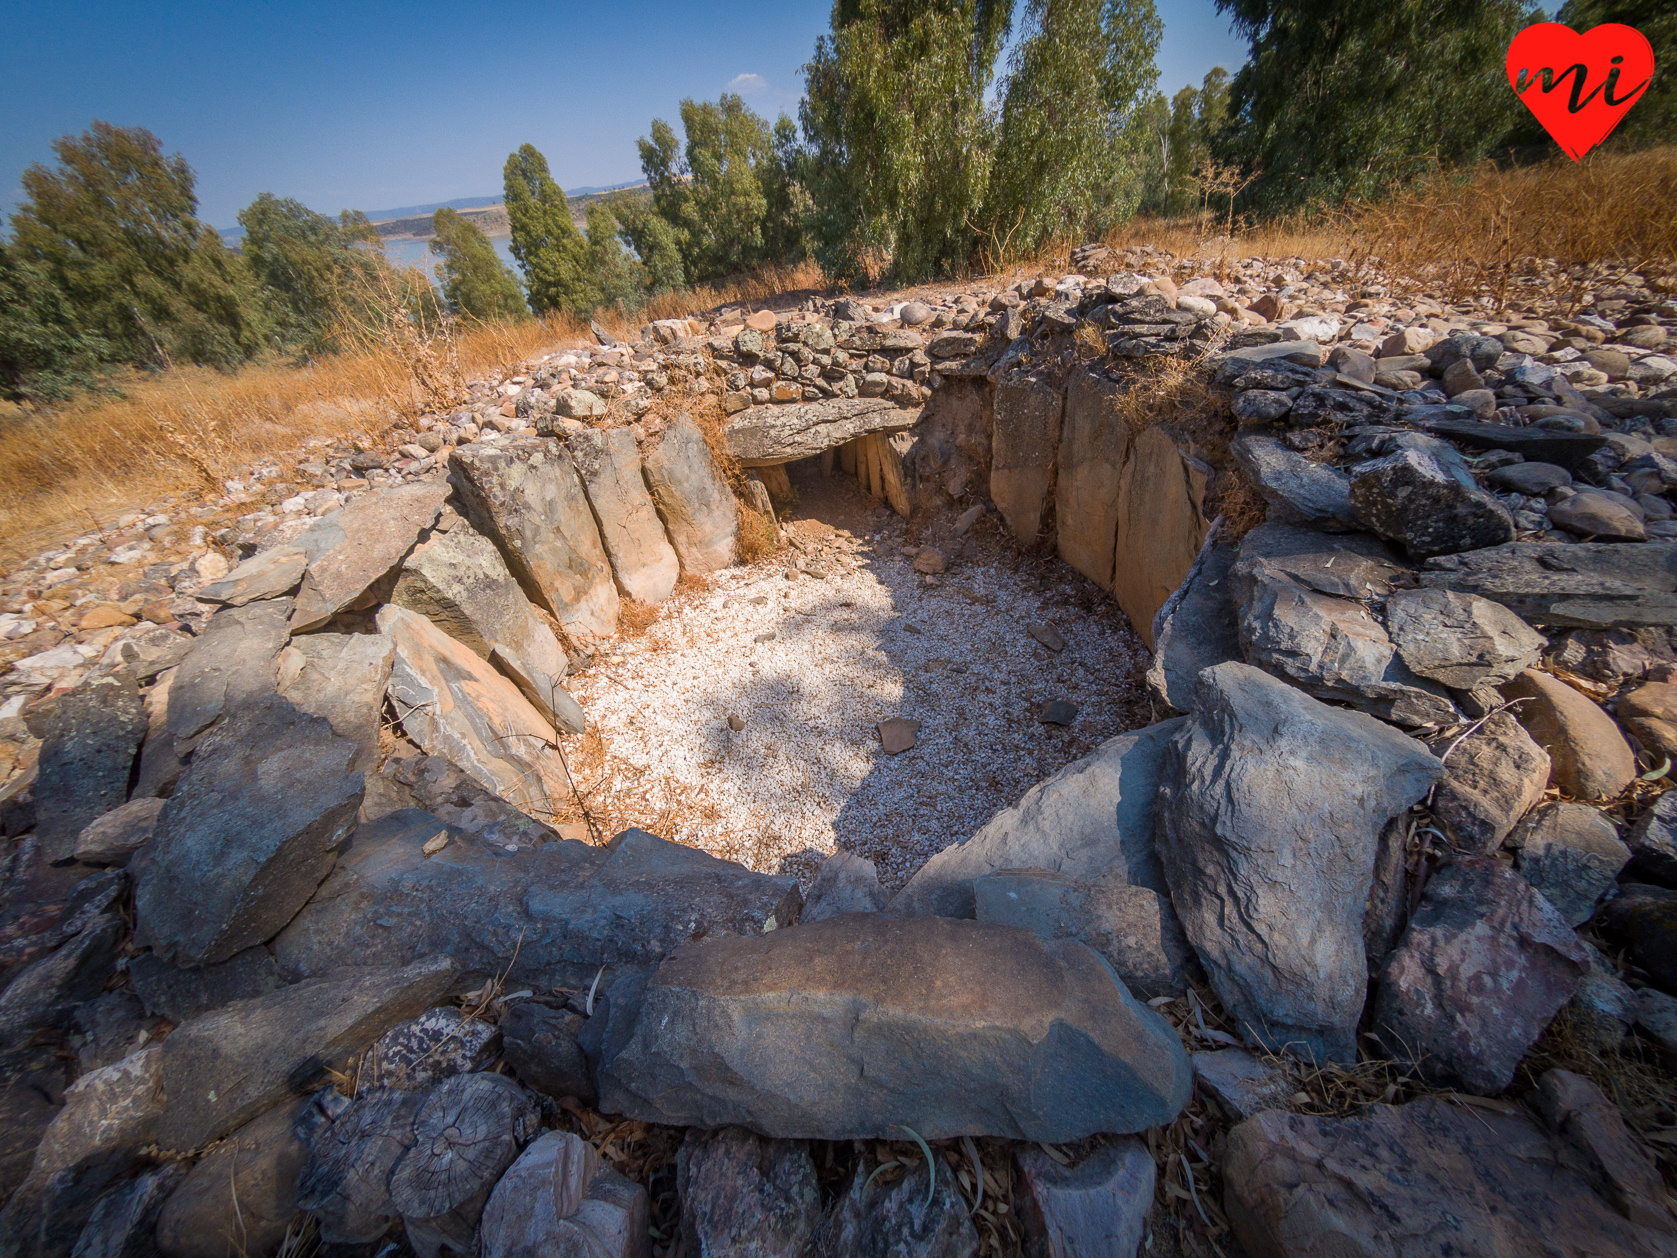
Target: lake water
{"type": "Point", "coordinates": [418, 253]}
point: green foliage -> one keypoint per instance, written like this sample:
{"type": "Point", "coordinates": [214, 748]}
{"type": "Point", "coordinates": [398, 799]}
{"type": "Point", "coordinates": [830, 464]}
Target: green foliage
{"type": "Point", "coordinates": [1653, 119]}
{"type": "Point", "coordinates": [1175, 139]}
{"type": "Point", "coordinates": [113, 227]}
{"type": "Point", "coordinates": [1067, 161]}
{"type": "Point", "coordinates": [1343, 101]}
{"type": "Point", "coordinates": [729, 193]}
{"type": "Point", "coordinates": [44, 355]}
{"type": "Point", "coordinates": [305, 264]}
{"type": "Point", "coordinates": [617, 272]}
{"type": "Point", "coordinates": [898, 134]}
{"type": "Point", "coordinates": [474, 281]}
{"type": "Point", "coordinates": [553, 254]}
{"type": "Point", "coordinates": [653, 239]}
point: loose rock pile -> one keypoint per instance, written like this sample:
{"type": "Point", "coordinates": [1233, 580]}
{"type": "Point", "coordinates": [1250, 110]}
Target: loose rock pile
{"type": "Point", "coordinates": [291, 939]}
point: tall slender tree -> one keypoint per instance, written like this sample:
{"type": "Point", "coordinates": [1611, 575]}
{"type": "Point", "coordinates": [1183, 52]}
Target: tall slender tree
{"type": "Point", "coordinates": [114, 227]}
{"type": "Point", "coordinates": [474, 281]}
{"type": "Point", "coordinates": [545, 242]}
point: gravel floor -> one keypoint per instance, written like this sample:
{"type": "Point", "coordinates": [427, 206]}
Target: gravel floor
{"type": "Point", "coordinates": [811, 665]}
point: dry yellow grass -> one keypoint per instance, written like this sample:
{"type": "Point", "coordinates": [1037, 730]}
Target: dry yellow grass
{"type": "Point", "coordinates": [81, 465]}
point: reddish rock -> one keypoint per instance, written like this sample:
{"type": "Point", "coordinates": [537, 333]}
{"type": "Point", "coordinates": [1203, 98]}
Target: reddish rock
{"type": "Point", "coordinates": [1589, 756]}
{"type": "Point", "coordinates": [1650, 714]}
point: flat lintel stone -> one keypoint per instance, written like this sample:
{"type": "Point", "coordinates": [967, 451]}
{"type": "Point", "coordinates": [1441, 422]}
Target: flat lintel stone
{"type": "Point", "coordinates": [765, 435]}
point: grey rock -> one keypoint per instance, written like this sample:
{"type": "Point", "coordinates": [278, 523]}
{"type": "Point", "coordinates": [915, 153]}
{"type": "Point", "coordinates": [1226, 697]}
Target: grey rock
{"type": "Point", "coordinates": [1317, 406]}
{"type": "Point", "coordinates": [1591, 514]}
{"type": "Point", "coordinates": [1539, 445]}
{"type": "Point", "coordinates": [180, 994]}
{"type": "Point", "coordinates": [234, 663]}
{"type": "Point", "coordinates": [340, 677]}
{"type": "Point", "coordinates": [46, 993]}
{"type": "Point", "coordinates": [1410, 497]}
{"type": "Point", "coordinates": [560, 1201]}
{"type": "Point", "coordinates": [89, 740]}
{"type": "Point", "coordinates": [1655, 1015]}
{"type": "Point", "coordinates": [947, 1027]}
{"type": "Point", "coordinates": [46, 906]}
{"type": "Point", "coordinates": [433, 784]}
{"type": "Point", "coordinates": [1485, 964]}
{"type": "Point", "coordinates": [1581, 1116]}
{"type": "Point", "coordinates": [225, 1067]}
{"type": "Point", "coordinates": [124, 1222]}
{"type": "Point", "coordinates": [352, 551]}
{"type": "Point", "coordinates": [915, 313]}
{"type": "Point", "coordinates": [1602, 1009]}
{"type": "Point", "coordinates": [540, 1044]}
{"type": "Point", "coordinates": [1583, 585]}
{"type": "Point", "coordinates": [32, 1082]}
{"type": "Point", "coordinates": [108, 1027]}
{"type": "Point", "coordinates": [781, 434]}
{"type": "Point", "coordinates": [692, 498]}
{"type": "Point", "coordinates": [436, 1045]}
{"type": "Point", "coordinates": [1094, 813]}
{"type": "Point", "coordinates": [1263, 779]}
{"type": "Point", "coordinates": [1260, 406]}
{"type": "Point", "coordinates": [249, 1177]}
{"type": "Point", "coordinates": [1197, 627]}
{"type": "Point", "coordinates": [1241, 1083]}
{"type": "Point", "coordinates": [1642, 920]}
{"type": "Point", "coordinates": [1531, 479]}
{"type": "Point", "coordinates": [1571, 853]}
{"type": "Point", "coordinates": [1429, 1177]}
{"type": "Point", "coordinates": [526, 497]}
{"type": "Point", "coordinates": [1094, 445]}
{"type": "Point", "coordinates": [845, 883]}
{"type": "Point", "coordinates": [1099, 1206]}
{"type": "Point", "coordinates": [249, 833]}
{"type": "Point", "coordinates": [902, 1220]}
{"type": "Point", "coordinates": [270, 574]}
{"type": "Point", "coordinates": [742, 1194]}
{"type": "Point", "coordinates": [642, 559]}
{"type": "Point", "coordinates": [1299, 490]}
{"type": "Point", "coordinates": [1134, 928]}
{"type": "Point", "coordinates": [1332, 648]}
{"type": "Point", "coordinates": [112, 838]}
{"type": "Point", "coordinates": [1460, 640]}
{"type": "Point", "coordinates": [574, 906]}
{"type": "Point", "coordinates": [1347, 565]}
{"type": "Point", "coordinates": [1491, 779]}
{"type": "Point", "coordinates": [94, 1142]}
{"type": "Point", "coordinates": [1653, 840]}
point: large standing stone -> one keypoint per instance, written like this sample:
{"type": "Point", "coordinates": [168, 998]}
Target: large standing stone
{"type": "Point", "coordinates": [1333, 648]}
{"type": "Point", "coordinates": [1484, 965]}
{"type": "Point", "coordinates": [1134, 928]}
{"type": "Point", "coordinates": [233, 664]}
{"type": "Point", "coordinates": [1411, 497]}
{"type": "Point", "coordinates": [351, 551]}
{"type": "Point", "coordinates": [1197, 627]}
{"type": "Point", "coordinates": [1094, 813]}
{"type": "Point", "coordinates": [526, 497]}
{"type": "Point", "coordinates": [692, 499]}
{"type": "Point", "coordinates": [1024, 438]}
{"type": "Point", "coordinates": [248, 834]}
{"type": "Point", "coordinates": [1586, 585]}
{"type": "Point", "coordinates": [1094, 444]}
{"type": "Point", "coordinates": [1161, 524]}
{"type": "Point", "coordinates": [1100, 1206]}
{"type": "Point", "coordinates": [1589, 758]}
{"type": "Point", "coordinates": [1491, 778]}
{"type": "Point", "coordinates": [88, 743]}
{"type": "Point", "coordinates": [239, 1199]}
{"type": "Point", "coordinates": [95, 1141]}
{"type": "Point", "coordinates": [1460, 640]}
{"type": "Point", "coordinates": [573, 906]}
{"type": "Point", "coordinates": [223, 1069]}
{"type": "Point", "coordinates": [1299, 490]}
{"type": "Point", "coordinates": [459, 582]}
{"type": "Point", "coordinates": [849, 1027]}
{"type": "Point", "coordinates": [742, 1194]}
{"type": "Point", "coordinates": [341, 677]}
{"type": "Point", "coordinates": [1572, 854]}
{"type": "Point", "coordinates": [1271, 807]}
{"type": "Point", "coordinates": [766, 435]}
{"type": "Point", "coordinates": [456, 706]}
{"type": "Point", "coordinates": [642, 559]}
{"type": "Point", "coordinates": [1427, 1178]}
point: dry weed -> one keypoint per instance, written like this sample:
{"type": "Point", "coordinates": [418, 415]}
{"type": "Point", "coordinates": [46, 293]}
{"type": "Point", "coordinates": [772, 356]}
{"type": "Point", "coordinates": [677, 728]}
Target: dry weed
{"type": "Point", "coordinates": [634, 617]}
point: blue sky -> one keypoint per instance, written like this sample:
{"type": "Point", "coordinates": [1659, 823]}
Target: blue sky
{"type": "Point", "coordinates": [375, 105]}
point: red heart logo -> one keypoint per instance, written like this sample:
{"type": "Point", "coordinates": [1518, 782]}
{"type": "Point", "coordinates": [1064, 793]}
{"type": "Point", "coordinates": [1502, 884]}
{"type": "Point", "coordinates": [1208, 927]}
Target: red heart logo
{"type": "Point", "coordinates": [1579, 86]}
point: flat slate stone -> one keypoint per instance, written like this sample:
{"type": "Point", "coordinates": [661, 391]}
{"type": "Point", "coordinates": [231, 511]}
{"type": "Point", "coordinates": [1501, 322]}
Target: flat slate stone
{"type": "Point", "coordinates": [765, 435]}
{"type": "Point", "coordinates": [1583, 585]}
{"type": "Point", "coordinates": [565, 908]}
{"type": "Point", "coordinates": [1540, 445]}
{"type": "Point", "coordinates": [1197, 627]}
{"type": "Point", "coordinates": [89, 742]}
{"type": "Point", "coordinates": [351, 549]}
{"type": "Point", "coordinates": [853, 1026]}
{"type": "Point", "coordinates": [233, 663]}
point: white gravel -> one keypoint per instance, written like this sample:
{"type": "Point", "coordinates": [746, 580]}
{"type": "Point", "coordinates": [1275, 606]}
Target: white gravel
{"type": "Point", "coordinates": [873, 640]}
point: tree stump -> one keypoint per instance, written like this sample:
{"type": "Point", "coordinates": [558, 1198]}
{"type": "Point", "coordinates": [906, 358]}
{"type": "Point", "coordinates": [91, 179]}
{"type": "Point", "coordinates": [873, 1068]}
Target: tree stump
{"type": "Point", "coordinates": [346, 1181]}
